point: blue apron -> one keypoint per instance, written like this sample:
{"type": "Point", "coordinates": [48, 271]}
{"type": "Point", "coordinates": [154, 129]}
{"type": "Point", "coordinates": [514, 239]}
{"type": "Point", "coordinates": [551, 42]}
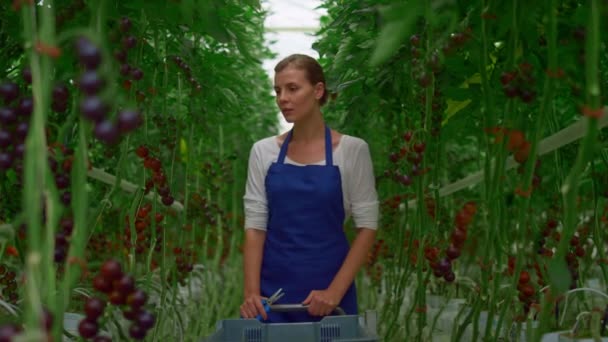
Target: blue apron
{"type": "Point", "coordinates": [305, 242]}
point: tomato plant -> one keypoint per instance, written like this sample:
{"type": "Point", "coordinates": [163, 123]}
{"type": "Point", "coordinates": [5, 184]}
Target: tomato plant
{"type": "Point", "coordinates": [121, 128]}
{"type": "Point", "coordinates": [489, 88]}
{"type": "Point", "coordinates": [125, 129]}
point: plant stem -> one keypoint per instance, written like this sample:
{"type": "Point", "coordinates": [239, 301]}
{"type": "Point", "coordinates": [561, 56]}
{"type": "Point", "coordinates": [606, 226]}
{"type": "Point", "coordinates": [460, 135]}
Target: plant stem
{"type": "Point", "coordinates": [38, 190]}
{"type": "Point", "coordinates": [537, 132]}
{"type": "Point", "coordinates": [571, 185]}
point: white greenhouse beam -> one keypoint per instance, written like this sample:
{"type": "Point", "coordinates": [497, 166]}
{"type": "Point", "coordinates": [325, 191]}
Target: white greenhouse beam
{"type": "Point", "coordinates": [129, 187]}
{"type": "Point", "coordinates": [278, 29]}
{"type": "Point", "coordinates": [551, 143]}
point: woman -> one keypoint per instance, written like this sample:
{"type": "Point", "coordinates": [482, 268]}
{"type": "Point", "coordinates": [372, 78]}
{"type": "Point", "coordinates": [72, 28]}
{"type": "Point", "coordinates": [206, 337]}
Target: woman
{"type": "Point", "coordinates": [301, 186]}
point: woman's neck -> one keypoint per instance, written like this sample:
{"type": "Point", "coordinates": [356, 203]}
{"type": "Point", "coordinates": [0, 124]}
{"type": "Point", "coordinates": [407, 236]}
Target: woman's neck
{"type": "Point", "coordinates": [310, 129]}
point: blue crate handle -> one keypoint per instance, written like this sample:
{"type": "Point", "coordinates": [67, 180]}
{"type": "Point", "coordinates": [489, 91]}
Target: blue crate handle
{"type": "Point", "coordinates": [291, 308]}
{"type": "Point", "coordinates": [300, 307]}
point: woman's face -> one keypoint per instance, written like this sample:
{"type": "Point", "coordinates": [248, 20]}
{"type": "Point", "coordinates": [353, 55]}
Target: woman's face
{"type": "Point", "coordinates": [295, 96]}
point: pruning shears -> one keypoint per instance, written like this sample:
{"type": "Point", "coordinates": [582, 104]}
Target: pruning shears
{"type": "Point", "coordinates": [271, 300]}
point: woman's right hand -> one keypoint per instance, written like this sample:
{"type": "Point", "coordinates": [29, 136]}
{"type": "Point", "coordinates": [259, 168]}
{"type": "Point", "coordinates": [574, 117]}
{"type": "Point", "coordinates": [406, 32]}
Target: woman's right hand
{"type": "Point", "coordinates": [252, 306]}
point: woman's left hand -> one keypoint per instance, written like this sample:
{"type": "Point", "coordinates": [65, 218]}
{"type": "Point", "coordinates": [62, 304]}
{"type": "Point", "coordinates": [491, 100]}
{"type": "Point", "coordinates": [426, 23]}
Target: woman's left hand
{"type": "Point", "coordinates": [322, 302]}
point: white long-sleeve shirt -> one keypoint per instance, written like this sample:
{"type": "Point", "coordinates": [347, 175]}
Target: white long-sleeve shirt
{"type": "Point", "coordinates": [352, 157]}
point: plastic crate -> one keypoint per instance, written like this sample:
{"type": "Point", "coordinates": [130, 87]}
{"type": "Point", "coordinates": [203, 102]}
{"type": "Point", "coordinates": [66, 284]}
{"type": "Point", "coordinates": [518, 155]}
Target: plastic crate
{"type": "Point", "coordinates": [349, 328]}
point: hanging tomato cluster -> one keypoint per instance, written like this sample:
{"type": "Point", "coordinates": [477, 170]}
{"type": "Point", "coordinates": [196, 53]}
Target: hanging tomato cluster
{"type": "Point", "coordinates": [576, 252]}
{"type": "Point", "coordinates": [14, 124]}
{"type": "Point", "coordinates": [518, 145]}
{"type": "Point", "coordinates": [526, 290]}
{"type": "Point", "coordinates": [92, 106]}
{"type": "Point", "coordinates": [548, 231]}
{"type": "Point", "coordinates": [143, 238]}
{"type": "Point", "coordinates": [185, 68]}
{"type": "Point", "coordinates": [8, 285]}
{"type": "Point", "coordinates": [374, 269]}
{"type": "Point", "coordinates": [184, 261]}
{"type": "Point", "coordinates": [519, 83]}
{"type": "Point", "coordinates": [121, 291]}
{"type": "Point", "coordinates": [101, 245]}
{"type": "Point", "coordinates": [68, 12]}
{"type": "Point", "coordinates": [427, 63]}
{"type": "Point", "coordinates": [413, 152]}
{"type": "Point", "coordinates": [443, 267]}
{"type": "Point", "coordinates": [158, 180]}
{"type": "Point", "coordinates": [392, 203]}
{"type": "Point", "coordinates": [127, 70]}
{"type": "Point", "coordinates": [60, 98]}
{"type": "Point", "coordinates": [9, 332]}
{"type": "Point", "coordinates": [208, 212]}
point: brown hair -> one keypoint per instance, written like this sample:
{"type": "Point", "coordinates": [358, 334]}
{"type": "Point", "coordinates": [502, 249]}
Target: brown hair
{"type": "Point", "coordinates": [314, 71]}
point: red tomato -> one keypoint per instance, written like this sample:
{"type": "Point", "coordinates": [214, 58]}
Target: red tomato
{"type": "Point", "coordinates": [49, 50]}
{"type": "Point", "coordinates": [463, 219]}
{"type": "Point", "coordinates": [458, 237]}
{"type": "Point", "coordinates": [521, 155]}
{"type": "Point", "coordinates": [127, 84]}
{"type": "Point", "coordinates": [470, 208]}
{"type": "Point", "coordinates": [142, 151]}
{"type": "Point", "coordinates": [431, 253]}
{"type": "Point", "coordinates": [515, 140]}
{"type": "Point", "coordinates": [527, 290]}
{"type": "Point", "coordinates": [12, 251]}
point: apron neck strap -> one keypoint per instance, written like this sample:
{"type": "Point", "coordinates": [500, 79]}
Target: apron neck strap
{"type": "Point", "coordinates": [328, 150]}
{"type": "Point", "coordinates": [328, 147]}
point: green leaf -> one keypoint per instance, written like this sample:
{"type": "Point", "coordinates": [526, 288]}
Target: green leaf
{"type": "Point", "coordinates": [343, 52]}
{"type": "Point", "coordinates": [346, 84]}
{"type": "Point", "coordinates": [396, 29]}
{"type": "Point", "coordinates": [454, 107]}
{"type": "Point", "coordinates": [230, 96]}
{"type": "Point", "coordinates": [213, 23]}
{"type": "Point", "coordinates": [244, 50]}
{"type": "Point", "coordinates": [457, 94]}
{"type": "Point", "coordinates": [253, 3]}
{"type": "Point", "coordinates": [366, 44]}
